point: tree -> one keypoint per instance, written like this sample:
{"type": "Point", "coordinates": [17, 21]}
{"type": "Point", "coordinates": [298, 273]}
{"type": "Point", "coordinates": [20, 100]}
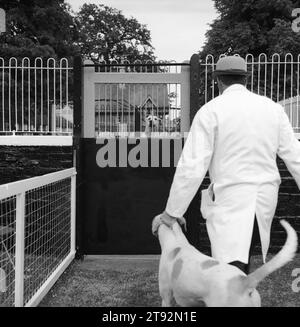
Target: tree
{"type": "Point", "coordinates": [105, 33]}
{"type": "Point", "coordinates": [35, 28]}
{"type": "Point", "coordinates": [252, 26]}
{"type": "Point", "coordinates": [255, 27]}
{"type": "Point", "coordinates": [38, 28]}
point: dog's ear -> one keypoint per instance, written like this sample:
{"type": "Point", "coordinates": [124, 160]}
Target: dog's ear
{"type": "Point", "coordinates": [156, 222]}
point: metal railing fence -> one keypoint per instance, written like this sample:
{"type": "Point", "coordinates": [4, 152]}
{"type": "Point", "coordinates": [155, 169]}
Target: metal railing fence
{"type": "Point", "coordinates": [276, 77]}
{"type": "Point", "coordinates": [35, 97]}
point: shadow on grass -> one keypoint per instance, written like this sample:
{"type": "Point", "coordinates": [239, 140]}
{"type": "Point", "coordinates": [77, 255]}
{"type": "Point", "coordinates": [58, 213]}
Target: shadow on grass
{"type": "Point", "coordinates": [133, 282]}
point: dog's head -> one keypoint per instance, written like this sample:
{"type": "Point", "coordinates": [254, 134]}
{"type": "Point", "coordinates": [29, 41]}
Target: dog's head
{"type": "Point", "coordinates": [157, 221]}
{"type": "Point", "coordinates": [153, 121]}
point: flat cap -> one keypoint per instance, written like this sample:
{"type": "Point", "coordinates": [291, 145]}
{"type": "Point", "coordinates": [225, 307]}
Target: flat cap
{"type": "Point", "coordinates": [231, 65]}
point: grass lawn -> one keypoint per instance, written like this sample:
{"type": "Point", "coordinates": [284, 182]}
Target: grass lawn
{"type": "Point", "coordinates": [130, 282]}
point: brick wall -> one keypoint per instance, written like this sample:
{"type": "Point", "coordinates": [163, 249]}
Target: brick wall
{"type": "Point", "coordinates": [18, 162]}
{"type": "Point", "coordinates": [288, 207]}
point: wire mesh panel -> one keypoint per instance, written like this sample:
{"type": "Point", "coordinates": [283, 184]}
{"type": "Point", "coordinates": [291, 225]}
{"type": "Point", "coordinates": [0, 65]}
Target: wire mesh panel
{"type": "Point", "coordinates": [47, 233]}
{"type": "Point", "coordinates": [7, 250]}
{"type": "Point", "coordinates": [37, 235]}
{"type": "Point", "coordinates": [276, 77]}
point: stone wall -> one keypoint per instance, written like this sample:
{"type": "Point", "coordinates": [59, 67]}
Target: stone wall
{"type": "Point", "coordinates": [288, 207]}
{"type": "Point", "coordinates": [20, 162]}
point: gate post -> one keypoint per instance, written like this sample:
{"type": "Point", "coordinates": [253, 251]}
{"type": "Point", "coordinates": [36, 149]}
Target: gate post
{"type": "Point", "coordinates": [77, 98]}
{"type": "Point", "coordinates": [77, 149]}
{"type": "Point", "coordinates": [89, 130]}
{"type": "Point", "coordinates": [194, 85]}
{"type": "Point", "coordinates": [192, 214]}
{"type": "Point", "coordinates": [185, 122]}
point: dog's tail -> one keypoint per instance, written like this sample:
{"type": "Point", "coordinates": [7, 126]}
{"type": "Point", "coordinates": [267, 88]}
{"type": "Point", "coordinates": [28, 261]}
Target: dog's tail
{"type": "Point", "coordinates": [285, 255]}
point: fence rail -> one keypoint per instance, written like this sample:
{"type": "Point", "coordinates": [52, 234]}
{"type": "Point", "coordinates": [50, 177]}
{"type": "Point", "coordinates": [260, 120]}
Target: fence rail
{"type": "Point", "coordinates": [35, 97]}
{"type": "Point", "coordinates": [276, 77]}
{"type": "Point", "coordinates": [37, 235]}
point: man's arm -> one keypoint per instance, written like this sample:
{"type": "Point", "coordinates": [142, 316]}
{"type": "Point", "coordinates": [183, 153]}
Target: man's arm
{"type": "Point", "coordinates": [289, 147]}
{"type": "Point", "coordinates": [193, 163]}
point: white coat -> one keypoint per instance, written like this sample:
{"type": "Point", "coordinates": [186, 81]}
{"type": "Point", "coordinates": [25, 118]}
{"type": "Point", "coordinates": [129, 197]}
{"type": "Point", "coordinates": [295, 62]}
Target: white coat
{"type": "Point", "coordinates": [235, 136]}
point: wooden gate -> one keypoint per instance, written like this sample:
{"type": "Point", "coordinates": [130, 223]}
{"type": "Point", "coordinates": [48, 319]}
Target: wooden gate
{"type": "Point", "coordinates": [126, 160]}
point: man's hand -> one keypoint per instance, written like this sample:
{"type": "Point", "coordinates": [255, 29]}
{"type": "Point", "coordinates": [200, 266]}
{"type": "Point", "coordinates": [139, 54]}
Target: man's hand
{"type": "Point", "coordinates": [168, 220]}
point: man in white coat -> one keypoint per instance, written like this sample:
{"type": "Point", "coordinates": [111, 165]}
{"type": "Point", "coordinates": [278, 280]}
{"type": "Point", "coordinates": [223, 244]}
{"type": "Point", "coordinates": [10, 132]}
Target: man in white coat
{"type": "Point", "coordinates": [236, 136]}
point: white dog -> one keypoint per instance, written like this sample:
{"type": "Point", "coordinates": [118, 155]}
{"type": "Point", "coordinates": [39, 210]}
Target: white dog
{"type": "Point", "coordinates": [152, 124]}
{"type": "Point", "coordinates": [189, 278]}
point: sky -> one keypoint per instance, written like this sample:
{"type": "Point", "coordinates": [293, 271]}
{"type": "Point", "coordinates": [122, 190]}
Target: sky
{"type": "Point", "coordinates": [177, 26]}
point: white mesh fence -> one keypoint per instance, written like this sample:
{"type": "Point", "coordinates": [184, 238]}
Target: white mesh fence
{"type": "Point", "coordinates": [7, 250]}
{"type": "Point", "coordinates": [37, 227]}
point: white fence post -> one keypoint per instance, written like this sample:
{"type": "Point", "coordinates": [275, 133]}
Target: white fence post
{"type": "Point", "coordinates": [19, 251]}
{"type": "Point", "coordinates": [73, 213]}
{"type": "Point", "coordinates": [48, 233]}
{"type": "Point", "coordinates": [185, 100]}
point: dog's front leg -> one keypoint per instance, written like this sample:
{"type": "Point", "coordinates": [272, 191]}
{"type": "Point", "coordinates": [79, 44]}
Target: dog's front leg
{"type": "Point", "coordinates": [165, 289]}
{"type": "Point", "coordinates": [165, 304]}
{"type": "Point", "coordinates": [168, 299]}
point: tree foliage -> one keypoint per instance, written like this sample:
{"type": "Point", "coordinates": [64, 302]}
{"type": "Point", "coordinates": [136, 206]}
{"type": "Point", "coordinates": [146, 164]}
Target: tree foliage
{"type": "Point", "coordinates": [252, 26]}
{"type": "Point", "coordinates": [255, 27]}
{"type": "Point", "coordinates": [49, 28]}
{"type": "Point", "coordinates": [105, 33]}
{"type": "Point", "coordinates": [38, 28]}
